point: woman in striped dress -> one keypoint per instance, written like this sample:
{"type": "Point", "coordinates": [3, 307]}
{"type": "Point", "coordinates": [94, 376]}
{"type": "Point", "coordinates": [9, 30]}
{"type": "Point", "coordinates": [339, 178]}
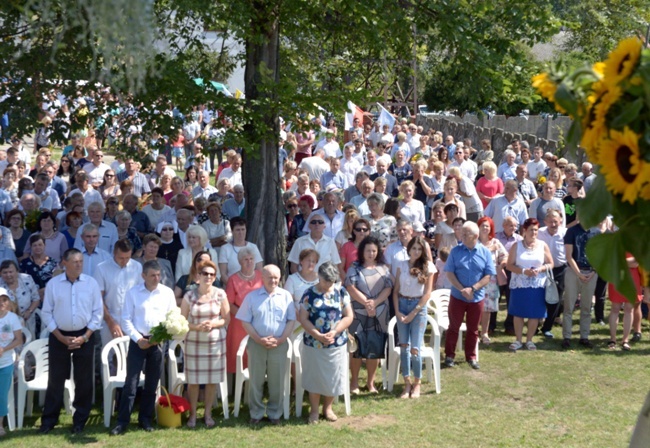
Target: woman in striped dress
{"type": "Point", "coordinates": [208, 312]}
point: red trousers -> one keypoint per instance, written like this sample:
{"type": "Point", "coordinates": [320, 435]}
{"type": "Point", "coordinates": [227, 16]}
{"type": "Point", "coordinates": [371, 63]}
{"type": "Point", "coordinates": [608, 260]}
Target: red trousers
{"type": "Point", "coordinates": [457, 310]}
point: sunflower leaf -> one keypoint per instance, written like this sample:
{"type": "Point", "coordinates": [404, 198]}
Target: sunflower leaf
{"type": "Point", "coordinates": [596, 205]}
{"type": "Point", "coordinates": [633, 242]}
{"type": "Point", "coordinates": [607, 255]}
{"type": "Point", "coordinates": [566, 99]}
{"type": "Point", "coordinates": [628, 114]}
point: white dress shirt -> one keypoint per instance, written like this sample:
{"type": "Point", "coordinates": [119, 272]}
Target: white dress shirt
{"type": "Point", "coordinates": [555, 244]}
{"type": "Point", "coordinates": [114, 281]}
{"type": "Point", "coordinates": [72, 306]}
{"type": "Point", "coordinates": [325, 246]}
{"type": "Point", "coordinates": [144, 309]}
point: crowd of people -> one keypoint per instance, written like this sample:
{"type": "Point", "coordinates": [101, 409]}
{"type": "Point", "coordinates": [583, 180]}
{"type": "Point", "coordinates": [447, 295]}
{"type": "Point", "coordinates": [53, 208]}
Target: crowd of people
{"type": "Point", "coordinates": [376, 219]}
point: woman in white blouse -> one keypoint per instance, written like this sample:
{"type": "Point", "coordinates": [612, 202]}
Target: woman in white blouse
{"type": "Point", "coordinates": [196, 241]}
{"type": "Point", "coordinates": [411, 209]}
{"type": "Point", "coordinates": [298, 282]}
{"type": "Point", "coordinates": [228, 254]}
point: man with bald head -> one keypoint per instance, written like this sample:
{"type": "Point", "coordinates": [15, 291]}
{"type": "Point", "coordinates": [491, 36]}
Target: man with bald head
{"type": "Point", "coordinates": [382, 171]}
{"type": "Point", "coordinates": [267, 314]}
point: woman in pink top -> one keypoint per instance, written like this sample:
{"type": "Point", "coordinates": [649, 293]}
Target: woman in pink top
{"type": "Point", "coordinates": [348, 252]}
{"type": "Point", "coordinates": [489, 185]}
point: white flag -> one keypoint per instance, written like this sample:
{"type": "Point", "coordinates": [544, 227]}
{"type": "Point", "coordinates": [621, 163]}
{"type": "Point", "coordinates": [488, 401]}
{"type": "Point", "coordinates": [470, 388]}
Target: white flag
{"type": "Point", "coordinates": [385, 117]}
{"type": "Point", "coordinates": [349, 116]}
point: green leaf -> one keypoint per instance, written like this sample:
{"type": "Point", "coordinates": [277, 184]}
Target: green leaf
{"type": "Point", "coordinates": [597, 205]}
{"type": "Point", "coordinates": [633, 243]}
{"type": "Point", "coordinates": [628, 115]}
{"type": "Point", "coordinates": [607, 256]}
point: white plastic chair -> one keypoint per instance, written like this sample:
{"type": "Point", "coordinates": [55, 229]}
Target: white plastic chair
{"type": "Point", "coordinates": [300, 391]}
{"type": "Point", "coordinates": [39, 349]}
{"type": "Point", "coordinates": [11, 404]}
{"type": "Point", "coordinates": [242, 376]}
{"type": "Point", "coordinates": [438, 304]}
{"type": "Point", "coordinates": [176, 378]}
{"type": "Point", "coordinates": [114, 352]}
{"type": "Point", "coordinates": [430, 354]}
{"type": "Point", "coordinates": [44, 332]}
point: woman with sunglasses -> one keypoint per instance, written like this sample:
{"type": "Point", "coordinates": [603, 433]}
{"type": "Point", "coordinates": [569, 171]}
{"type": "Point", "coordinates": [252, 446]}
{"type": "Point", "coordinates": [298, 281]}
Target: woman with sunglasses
{"type": "Point", "coordinates": [109, 186]}
{"type": "Point", "coordinates": [348, 252]}
{"type": "Point", "coordinates": [189, 281]}
{"type": "Point", "coordinates": [208, 312]}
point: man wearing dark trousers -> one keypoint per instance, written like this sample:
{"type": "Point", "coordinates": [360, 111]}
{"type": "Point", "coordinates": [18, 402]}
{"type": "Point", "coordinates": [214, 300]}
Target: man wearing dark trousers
{"type": "Point", "coordinates": [145, 306]}
{"type": "Point", "coordinates": [72, 311]}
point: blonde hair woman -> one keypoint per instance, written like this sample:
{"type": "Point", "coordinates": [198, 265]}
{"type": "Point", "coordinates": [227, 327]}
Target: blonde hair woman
{"type": "Point", "coordinates": [490, 185]}
{"type": "Point", "coordinates": [345, 233]}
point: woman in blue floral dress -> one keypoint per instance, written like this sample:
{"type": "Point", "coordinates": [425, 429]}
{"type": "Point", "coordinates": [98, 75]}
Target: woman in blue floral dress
{"type": "Point", "coordinates": [325, 314]}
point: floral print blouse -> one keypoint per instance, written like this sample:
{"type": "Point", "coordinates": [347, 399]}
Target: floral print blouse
{"type": "Point", "coordinates": [325, 311]}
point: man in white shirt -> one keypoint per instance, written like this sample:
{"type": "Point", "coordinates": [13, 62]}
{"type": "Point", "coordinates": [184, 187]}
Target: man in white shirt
{"type": "Point", "coordinates": [96, 168]}
{"type": "Point", "coordinates": [459, 161]}
{"type": "Point", "coordinates": [349, 165]}
{"type": "Point", "coordinates": [203, 189]}
{"type": "Point", "coordinates": [331, 214]}
{"type": "Point", "coordinates": [316, 240]}
{"type": "Point", "coordinates": [553, 235]}
{"type": "Point", "coordinates": [49, 198]}
{"type": "Point", "coordinates": [159, 171]}
{"type": "Point", "coordinates": [330, 146]}
{"type": "Point", "coordinates": [467, 150]}
{"type": "Point", "coordinates": [508, 204]}
{"type": "Point", "coordinates": [157, 209]}
{"type": "Point", "coordinates": [89, 193]}
{"type": "Point", "coordinates": [413, 138]}
{"type": "Point", "coordinates": [145, 306]}
{"type": "Point", "coordinates": [315, 165]}
{"type": "Point", "coordinates": [115, 277]}
{"type": "Point", "coordinates": [191, 132]}
{"type": "Point", "coordinates": [233, 173]}
{"type": "Point", "coordinates": [371, 163]}
{"type": "Point", "coordinates": [72, 312]}
{"type": "Point", "coordinates": [536, 166]}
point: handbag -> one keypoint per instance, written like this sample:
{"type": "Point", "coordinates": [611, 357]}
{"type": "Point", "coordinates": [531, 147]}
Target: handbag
{"type": "Point", "coordinates": [352, 343]}
{"type": "Point", "coordinates": [551, 295]}
{"type": "Point", "coordinates": [371, 343]}
{"type": "Point", "coordinates": [170, 408]}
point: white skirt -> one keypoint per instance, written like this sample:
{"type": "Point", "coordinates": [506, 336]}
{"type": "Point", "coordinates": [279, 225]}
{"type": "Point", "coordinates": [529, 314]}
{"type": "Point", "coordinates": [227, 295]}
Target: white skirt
{"type": "Point", "coordinates": [323, 370]}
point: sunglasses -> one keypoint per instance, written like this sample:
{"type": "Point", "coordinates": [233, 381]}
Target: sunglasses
{"type": "Point", "coordinates": [167, 229]}
{"type": "Point", "coordinates": [208, 274]}
{"type": "Point", "coordinates": [110, 175]}
{"type": "Point", "coordinates": [292, 205]}
{"type": "Point", "coordinates": [360, 229]}
{"type": "Point", "coordinates": [65, 160]}
{"type": "Point", "coordinates": [316, 223]}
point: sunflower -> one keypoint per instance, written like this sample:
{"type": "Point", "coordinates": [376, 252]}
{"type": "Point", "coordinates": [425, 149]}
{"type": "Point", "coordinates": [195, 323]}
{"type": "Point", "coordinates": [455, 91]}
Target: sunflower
{"type": "Point", "coordinates": [545, 86]}
{"type": "Point", "coordinates": [599, 69]}
{"type": "Point", "coordinates": [621, 61]}
{"type": "Point", "coordinates": [624, 170]}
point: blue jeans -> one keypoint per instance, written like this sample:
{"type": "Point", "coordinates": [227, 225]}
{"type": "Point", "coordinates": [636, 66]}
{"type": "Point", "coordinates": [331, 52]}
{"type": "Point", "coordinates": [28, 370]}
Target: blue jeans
{"type": "Point", "coordinates": [6, 377]}
{"type": "Point", "coordinates": [411, 336]}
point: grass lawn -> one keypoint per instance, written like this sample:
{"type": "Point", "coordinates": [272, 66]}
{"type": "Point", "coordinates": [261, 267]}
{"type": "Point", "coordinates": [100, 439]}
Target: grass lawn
{"type": "Point", "coordinates": [547, 398]}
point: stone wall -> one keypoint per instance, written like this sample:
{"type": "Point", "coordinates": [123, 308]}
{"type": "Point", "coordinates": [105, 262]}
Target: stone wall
{"type": "Point", "coordinates": [501, 130]}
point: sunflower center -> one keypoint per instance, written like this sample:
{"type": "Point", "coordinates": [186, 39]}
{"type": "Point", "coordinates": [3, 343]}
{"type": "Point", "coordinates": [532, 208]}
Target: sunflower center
{"type": "Point", "coordinates": [623, 163]}
{"type": "Point", "coordinates": [620, 65]}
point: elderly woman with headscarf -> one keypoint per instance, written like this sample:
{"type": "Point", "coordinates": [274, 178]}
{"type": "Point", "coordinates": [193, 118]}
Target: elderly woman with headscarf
{"type": "Point", "coordinates": [197, 238]}
{"type": "Point", "coordinates": [171, 242]}
{"type": "Point", "coordinates": [325, 314]}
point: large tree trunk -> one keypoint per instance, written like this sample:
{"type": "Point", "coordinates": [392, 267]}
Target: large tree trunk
{"type": "Point", "coordinates": [264, 210]}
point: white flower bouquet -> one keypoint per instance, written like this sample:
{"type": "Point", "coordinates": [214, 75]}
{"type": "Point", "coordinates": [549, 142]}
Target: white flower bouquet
{"type": "Point", "coordinates": [175, 326]}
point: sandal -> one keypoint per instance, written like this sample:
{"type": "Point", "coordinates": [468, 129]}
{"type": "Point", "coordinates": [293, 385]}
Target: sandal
{"type": "Point", "coordinates": [485, 340]}
{"type": "Point", "coordinates": [415, 392]}
{"type": "Point", "coordinates": [530, 345]}
{"type": "Point", "coordinates": [611, 345]}
{"type": "Point", "coordinates": [407, 391]}
{"type": "Point", "coordinates": [191, 422]}
{"type": "Point", "coordinates": [330, 416]}
{"type": "Point", "coordinates": [625, 346]}
{"type": "Point", "coordinates": [515, 346]}
{"type": "Point", "coordinates": [313, 419]}
{"type": "Point", "coordinates": [209, 422]}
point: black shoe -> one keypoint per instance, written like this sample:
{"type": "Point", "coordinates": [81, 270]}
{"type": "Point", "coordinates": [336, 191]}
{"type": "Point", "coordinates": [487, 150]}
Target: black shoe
{"type": "Point", "coordinates": [449, 362]}
{"type": "Point", "coordinates": [586, 343]}
{"type": "Point", "coordinates": [254, 421]}
{"type": "Point", "coordinates": [566, 343]}
{"type": "Point", "coordinates": [146, 426]}
{"type": "Point", "coordinates": [473, 364]}
{"type": "Point", "coordinates": [45, 429]}
{"type": "Point", "coordinates": [118, 430]}
{"type": "Point", "coordinates": [76, 430]}
{"type": "Point", "coordinates": [636, 337]}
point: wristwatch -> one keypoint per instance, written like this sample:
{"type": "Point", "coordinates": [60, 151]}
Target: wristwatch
{"type": "Point", "coordinates": [473, 289]}
{"type": "Point", "coordinates": [85, 338]}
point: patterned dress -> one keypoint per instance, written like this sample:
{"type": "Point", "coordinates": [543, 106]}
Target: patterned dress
{"type": "Point", "coordinates": [205, 353]}
{"type": "Point", "coordinates": [370, 283]}
{"type": "Point", "coordinates": [499, 255]}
